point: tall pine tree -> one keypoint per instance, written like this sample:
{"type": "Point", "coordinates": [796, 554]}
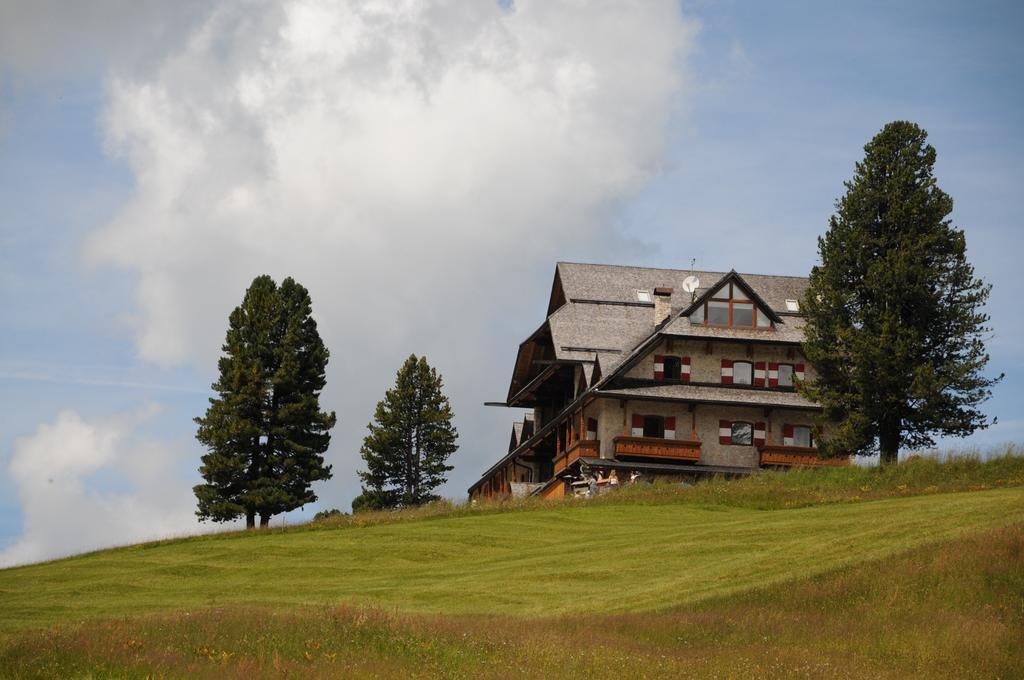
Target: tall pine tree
{"type": "Point", "coordinates": [265, 432]}
{"type": "Point", "coordinates": [410, 441]}
{"type": "Point", "coordinates": [895, 325]}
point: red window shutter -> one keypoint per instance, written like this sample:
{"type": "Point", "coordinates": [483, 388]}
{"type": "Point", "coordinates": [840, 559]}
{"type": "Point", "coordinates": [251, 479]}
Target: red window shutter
{"type": "Point", "coordinates": [638, 425]}
{"type": "Point", "coordinates": [773, 374]}
{"type": "Point", "coordinates": [659, 367]}
{"type": "Point", "coordinates": [759, 434]}
{"type": "Point", "coordinates": [798, 370]}
{"type": "Point", "coordinates": [684, 369]}
{"type": "Point", "coordinates": [670, 422]}
{"type": "Point", "coordinates": [759, 374]}
{"type": "Point", "coordinates": [787, 435]}
{"type": "Point", "coordinates": [726, 371]}
{"type": "Point", "coordinates": [724, 432]}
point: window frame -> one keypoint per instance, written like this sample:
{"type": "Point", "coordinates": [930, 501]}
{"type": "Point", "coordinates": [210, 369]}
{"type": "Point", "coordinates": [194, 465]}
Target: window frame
{"type": "Point", "coordinates": [729, 296]}
{"type": "Point", "coordinates": [778, 376]}
{"type": "Point", "coordinates": [654, 417]}
{"type": "Point", "coordinates": [732, 432]}
{"type": "Point", "coordinates": [678, 360]}
{"type": "Point", "coordinates": [810, 435]}
{"type": "Point", "coordinates": [748, 363]}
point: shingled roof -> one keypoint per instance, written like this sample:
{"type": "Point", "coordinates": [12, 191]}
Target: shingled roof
{"type": "Point", "coordinates": [616, 283]}
{"type": "Point", "coordinates": [604, 317]}
{"type": "Point", "coordinates": [598, 317]}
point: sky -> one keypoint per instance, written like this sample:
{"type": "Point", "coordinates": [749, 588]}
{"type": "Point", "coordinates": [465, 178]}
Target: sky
{"type": "Point", "coordinates": [421, 167]}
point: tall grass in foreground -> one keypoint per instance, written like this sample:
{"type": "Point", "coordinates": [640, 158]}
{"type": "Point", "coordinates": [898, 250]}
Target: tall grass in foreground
{"type": "Point", "coordinates": [953, 609]}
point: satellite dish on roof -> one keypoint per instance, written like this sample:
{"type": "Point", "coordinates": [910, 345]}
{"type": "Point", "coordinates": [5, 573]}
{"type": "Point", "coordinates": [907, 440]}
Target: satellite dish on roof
{"type": "Point", "coordinates": [691, 283]}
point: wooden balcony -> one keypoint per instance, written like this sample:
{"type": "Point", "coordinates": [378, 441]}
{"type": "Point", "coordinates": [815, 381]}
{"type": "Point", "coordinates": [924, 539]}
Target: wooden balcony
{"type": "Point", "coordinates": [796, 455]}
{"type": "Point", "coordinates": [654, 447]}
{"type": "Point", "coordinates": [585, 448]}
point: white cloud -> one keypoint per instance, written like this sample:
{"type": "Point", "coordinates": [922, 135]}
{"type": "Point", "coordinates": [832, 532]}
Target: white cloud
{"type": "Point", "coordinates": [418, 165]}
{"type": "Point", "coordinates": [60, 473]}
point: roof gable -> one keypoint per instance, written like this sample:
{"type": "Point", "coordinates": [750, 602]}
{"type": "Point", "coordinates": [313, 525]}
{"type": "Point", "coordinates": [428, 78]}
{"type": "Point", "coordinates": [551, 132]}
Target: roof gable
{"type": "Point", "coordinates": [618, 284]}
{"type": "Point", "coordinates": [734, 278]}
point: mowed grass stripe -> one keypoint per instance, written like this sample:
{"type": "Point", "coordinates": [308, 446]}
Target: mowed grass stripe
{"type": "Point", "coordinates": [564, 559]}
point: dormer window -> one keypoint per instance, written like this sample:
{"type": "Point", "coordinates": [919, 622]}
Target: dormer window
{"type": "Point", "coordinates": [731, 306]}
{"type": "Point", "coordinates": [643, 295]}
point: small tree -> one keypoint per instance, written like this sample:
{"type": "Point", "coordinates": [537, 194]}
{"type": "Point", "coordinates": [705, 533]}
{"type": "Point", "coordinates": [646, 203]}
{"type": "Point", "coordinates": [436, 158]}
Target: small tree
{"type": "Point", "coordinates": [410, 441]}
{"type": "Point", "coordinates": [895, 327]}
{"type": "Point", "coordinates": [265, 432]}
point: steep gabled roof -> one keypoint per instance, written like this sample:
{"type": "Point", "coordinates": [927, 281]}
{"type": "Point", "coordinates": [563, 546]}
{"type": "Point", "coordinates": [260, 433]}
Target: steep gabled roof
{"type": "Point", "coordinates": [733, 277]}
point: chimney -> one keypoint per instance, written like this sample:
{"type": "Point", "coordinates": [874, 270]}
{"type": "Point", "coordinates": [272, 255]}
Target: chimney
{"type": "Point", "coordinates": [662, 304]}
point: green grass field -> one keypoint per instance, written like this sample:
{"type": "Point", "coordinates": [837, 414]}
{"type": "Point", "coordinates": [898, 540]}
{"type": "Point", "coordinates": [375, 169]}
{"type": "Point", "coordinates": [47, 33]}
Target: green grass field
{"type": "Point", "coordinates": [917, 566]}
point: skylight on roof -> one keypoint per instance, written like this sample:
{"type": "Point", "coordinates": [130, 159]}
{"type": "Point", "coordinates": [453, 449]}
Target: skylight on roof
{"type": "Point", "coordinates": [792, 306]}
{"type": "Point", "coordinates": [643, 295]}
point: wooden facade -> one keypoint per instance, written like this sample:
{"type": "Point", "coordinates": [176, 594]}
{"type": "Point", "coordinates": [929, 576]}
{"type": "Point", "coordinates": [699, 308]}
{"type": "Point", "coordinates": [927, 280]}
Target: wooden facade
{"type": "Point", "coordinates": [795, 456]}
{"type": "Point", "coordinates": [657, 448]}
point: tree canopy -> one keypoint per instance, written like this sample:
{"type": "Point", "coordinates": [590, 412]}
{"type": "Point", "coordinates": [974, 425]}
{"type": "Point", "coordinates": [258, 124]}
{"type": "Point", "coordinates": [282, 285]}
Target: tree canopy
{"type": "Point", "coordinates": [410, 440]}
{"type": "Point", "coordinates": [895, 321]}
{"type": "Point", "coordinates": [264, 431]}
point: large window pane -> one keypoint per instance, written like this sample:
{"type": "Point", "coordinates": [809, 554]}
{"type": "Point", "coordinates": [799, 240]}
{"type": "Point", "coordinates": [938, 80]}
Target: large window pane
{"type": "Point", "coordinates": [742, 372]}
{"type": "Point", "coordinates": [718, 313]}
{"type": "Point", "coordinates": [698, 315]}
{"type": "Point", "coordinates": [785, 375]}
{"type": "Point", "coordinates": [742, 433]}
{"type": "Point", "coordinates": [743, 314]}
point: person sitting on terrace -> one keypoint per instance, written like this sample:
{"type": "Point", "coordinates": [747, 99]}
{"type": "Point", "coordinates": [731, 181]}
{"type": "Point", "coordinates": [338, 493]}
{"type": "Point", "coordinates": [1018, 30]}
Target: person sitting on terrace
{"type": "Point", "coordinates": [613, 479]}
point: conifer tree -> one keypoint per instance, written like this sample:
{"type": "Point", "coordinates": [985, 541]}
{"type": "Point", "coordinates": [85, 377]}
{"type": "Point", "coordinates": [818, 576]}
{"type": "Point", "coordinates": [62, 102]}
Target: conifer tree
{"type": "Point", "coordinates": [265, 432]}
{"type": "Point", "coordinates": [410, 440]}
{"type": "Point", "coordinates": [895, 321]}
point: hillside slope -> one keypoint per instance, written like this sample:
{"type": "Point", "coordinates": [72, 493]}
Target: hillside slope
{"type": "Point", "coordinates": [546, 561]}
{"type": "Point", "coordinates": [943, 610]}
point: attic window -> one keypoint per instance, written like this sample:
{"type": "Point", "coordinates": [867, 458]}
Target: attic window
{"type": "Point", "coordinates": [731, 306]}
{"type": "Point", "coordinates": [643, 295]}
{"type": "Point", "coordinates": [792, 306]}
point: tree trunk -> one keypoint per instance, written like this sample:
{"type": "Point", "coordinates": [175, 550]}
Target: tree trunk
{"type": "Point", "coordinates": [250, 519]}
{"type": "Point", "coordinates": [889, 442]}
{"type": "Point", "coordinates": [264, 521]}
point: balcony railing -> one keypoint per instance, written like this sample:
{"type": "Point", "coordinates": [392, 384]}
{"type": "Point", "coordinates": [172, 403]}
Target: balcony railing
{"type": "Point", "coordinates": [654, 447]}
{"type": "Point", "coordinates": [588, 448]}
{"type": "Point", "coordinates": [796, 455]}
